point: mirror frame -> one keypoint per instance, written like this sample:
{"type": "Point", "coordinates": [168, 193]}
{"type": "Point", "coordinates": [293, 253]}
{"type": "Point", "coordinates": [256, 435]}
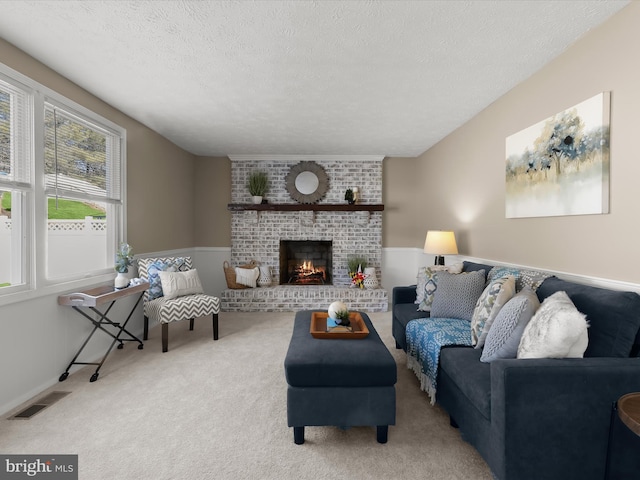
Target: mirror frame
{"type": "Point", "coordinates": [318, 171]}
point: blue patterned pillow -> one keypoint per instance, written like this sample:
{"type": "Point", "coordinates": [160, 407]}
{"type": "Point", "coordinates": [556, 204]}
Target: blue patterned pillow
{"type": "Point", "coordinates": [427, 286]}
{"type": "Point", "coordinates": [524, 278]}
{"type": "Point", "coordinates": [493, 298]}
{"type": "Point", "coordinates": [155, 285]}
{"type": "Point", "coordinates": [497, 272]}
{"type": "Point", "coordinates": [504, 336]}
{"type": "Point", "coordinates": [457, 294]}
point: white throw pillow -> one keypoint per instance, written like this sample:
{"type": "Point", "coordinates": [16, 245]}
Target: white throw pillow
{"type": "Point", "coordinates": [557, 330]}
{"type": "Point", "coordinates": [247, 276]}
{"type": "Point", "coordinates": [178, 284]}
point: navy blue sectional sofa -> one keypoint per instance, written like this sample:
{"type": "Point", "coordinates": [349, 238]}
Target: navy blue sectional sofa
{"type": "Point", "coordinates": [540, 418]}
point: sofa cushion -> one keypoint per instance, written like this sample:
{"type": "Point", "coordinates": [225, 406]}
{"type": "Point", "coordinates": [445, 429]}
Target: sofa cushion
{"type": "Point", "coordinates": [404, 312]}
{"type": "Point", "coordinates": [504, 336]}
{"type": "Point", "coordinates": [557, 330]}
{"type": "Point", "coordinates": [613, 316]}
{"type": "Point", "coordinates": [427, 283]}
{"type": "Point", "coordinates": [473, 378]}
{"type": "Point", "coordinates": [457, 294]}
{"type": "Point", "coordinates": [495, 295]}
{"type": "Point", "coordinates": [524, 278]}
{"type": "Point", "coordinates": [426, 286]}
{"type": "Point", "coordinates": [475, 267]}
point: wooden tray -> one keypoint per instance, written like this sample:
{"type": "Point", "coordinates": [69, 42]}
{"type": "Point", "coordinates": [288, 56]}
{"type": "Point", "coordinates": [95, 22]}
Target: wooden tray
{"type": "Point", "coordinates": [319, 327]}
{"type": "Point", "coordinates": [99, 295]}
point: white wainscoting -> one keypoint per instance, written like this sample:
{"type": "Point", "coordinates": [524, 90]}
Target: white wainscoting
{"type": "Point", "coordinates": [30, 363]}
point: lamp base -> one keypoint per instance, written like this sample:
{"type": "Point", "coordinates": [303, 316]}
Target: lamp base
{"type": "Point", "coordinates": [439, 260]}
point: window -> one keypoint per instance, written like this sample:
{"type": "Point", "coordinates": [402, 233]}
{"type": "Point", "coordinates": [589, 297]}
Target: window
{"type": "Point", "coordinates": [61, 187]}
{"type": "Point", "coordinates": [15, 182]}
{"type": "Point", "coordinates": [82, 184]}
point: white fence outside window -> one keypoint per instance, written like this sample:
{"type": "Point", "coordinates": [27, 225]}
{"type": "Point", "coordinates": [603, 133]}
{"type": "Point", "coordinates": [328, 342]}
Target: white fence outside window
{"type": "Point", "coordinates": [74, 246]}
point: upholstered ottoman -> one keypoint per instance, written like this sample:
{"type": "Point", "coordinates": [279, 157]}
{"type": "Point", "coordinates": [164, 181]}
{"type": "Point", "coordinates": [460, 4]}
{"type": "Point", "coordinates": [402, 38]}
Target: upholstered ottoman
{"type": "Point", "coordinates": [339, 382]}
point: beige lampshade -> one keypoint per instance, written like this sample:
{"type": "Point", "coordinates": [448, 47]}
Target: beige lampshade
{"type": "Point", "coordinates": [439, 242]}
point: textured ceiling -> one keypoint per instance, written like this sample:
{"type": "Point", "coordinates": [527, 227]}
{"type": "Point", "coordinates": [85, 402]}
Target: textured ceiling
{"type": "Point", "coordinates": [299, 77]}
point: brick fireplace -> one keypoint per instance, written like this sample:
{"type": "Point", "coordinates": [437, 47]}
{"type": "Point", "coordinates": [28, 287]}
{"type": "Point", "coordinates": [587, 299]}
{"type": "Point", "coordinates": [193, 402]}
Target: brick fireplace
{"type": "Point", "coordinates": [257, 235]}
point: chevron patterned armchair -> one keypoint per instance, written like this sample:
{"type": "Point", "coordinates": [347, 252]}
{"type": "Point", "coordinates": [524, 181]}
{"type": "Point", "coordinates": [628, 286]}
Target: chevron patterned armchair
{"type": "Point", "coordinates": [175, 293]}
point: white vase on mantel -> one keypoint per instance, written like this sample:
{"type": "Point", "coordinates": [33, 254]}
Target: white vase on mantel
{"type": "Point", "coordinates": [370, 279]}
{"type": "Point", "coordinates": [121, 281]}
{"type": "Point", "coordinates": [256, 199]}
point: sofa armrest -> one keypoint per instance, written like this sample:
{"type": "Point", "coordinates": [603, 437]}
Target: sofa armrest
{"type": "Point", "coordinates": [404, 294]}
{"type": "Point", "coordinates": [552, 416]}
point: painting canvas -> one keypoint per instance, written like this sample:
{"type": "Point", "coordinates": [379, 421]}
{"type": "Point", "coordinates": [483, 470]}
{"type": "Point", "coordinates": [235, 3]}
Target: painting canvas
{"type": "Point", "coordinates": [560, 166]}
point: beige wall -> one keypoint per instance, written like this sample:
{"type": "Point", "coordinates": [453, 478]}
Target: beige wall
{"type": "Point", "coordinates": [177, 200]}
{"type": "Point", "coordinates": [213, 194]}
{"type": "Point", "coordinates": [405, 215]}
{"type": "Point", "coordinates": [160, 175]}
{"type": "Point", "coordinates": [462, 177]}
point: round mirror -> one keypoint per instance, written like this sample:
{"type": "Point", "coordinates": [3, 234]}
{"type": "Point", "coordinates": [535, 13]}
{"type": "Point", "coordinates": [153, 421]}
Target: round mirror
{"type": "Point", "coordinates": [307, 182]}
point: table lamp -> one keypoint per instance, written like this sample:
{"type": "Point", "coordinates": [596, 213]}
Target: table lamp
{"type": "Point", "coordinates": [440, 243]}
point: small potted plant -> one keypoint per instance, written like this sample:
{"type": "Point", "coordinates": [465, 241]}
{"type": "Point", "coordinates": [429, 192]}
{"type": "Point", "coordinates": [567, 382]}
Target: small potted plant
{"type": "Point", "coordinates": [124, 258]}
{"type": "Point", "coordinates": [348, 196]}
{"type": "Point", "coordinates": [258, 185]}
{"type": "Point", "coordinates": [356, 268]}
{"type": "Point", "coordinates": [343, 318]}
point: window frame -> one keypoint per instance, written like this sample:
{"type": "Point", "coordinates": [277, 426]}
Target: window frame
{"type": "Point", "coordinates": [34, 217]}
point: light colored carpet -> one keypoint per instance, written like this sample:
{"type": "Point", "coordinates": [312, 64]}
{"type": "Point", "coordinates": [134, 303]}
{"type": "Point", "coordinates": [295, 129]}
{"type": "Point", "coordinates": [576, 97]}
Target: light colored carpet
{"type": "Point", "coordinates": [217, 410]}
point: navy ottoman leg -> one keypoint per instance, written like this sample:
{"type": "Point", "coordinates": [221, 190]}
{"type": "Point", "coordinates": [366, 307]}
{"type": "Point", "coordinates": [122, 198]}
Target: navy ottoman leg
{"type": "Point", "coordinates": [298, 435]}
{"type": "Point", "coordinates": [382, 432]}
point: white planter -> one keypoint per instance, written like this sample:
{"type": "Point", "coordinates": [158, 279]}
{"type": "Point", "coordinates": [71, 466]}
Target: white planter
{"type": "Point", "coordinates": [121, 280]}
{"type": "Point", "coordinates": [256, 199]}
{"type": "Point", "coordinates": [264, 280]}
{"type": "Point", "coordinates": [370, 279]}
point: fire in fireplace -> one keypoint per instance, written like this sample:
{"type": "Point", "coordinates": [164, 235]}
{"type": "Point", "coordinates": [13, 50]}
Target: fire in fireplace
{"type": "Point", "coordinates": [305, 262]}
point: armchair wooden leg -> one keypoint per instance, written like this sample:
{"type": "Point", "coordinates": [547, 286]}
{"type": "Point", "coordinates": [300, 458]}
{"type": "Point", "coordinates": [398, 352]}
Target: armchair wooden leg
{"type": "Point", "coordinates": [145, 334]}
{"type": "Point", "coordinates": [165, 337]}
{"type": "Point", "coordinates": [191, 323]}
{"type": "Point", "coordinates": [215, 326]}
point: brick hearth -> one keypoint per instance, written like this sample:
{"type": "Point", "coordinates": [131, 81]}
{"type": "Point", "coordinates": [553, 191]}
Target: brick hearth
{"type": "Point", "coordinates": [285, 298]}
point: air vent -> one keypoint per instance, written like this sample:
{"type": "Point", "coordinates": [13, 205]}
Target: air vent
{"type": "Point", "coordinates": [39, 405]}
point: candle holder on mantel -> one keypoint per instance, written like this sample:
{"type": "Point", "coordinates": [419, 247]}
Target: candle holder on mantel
{"type": "Point", "coordinates": [356, 195]}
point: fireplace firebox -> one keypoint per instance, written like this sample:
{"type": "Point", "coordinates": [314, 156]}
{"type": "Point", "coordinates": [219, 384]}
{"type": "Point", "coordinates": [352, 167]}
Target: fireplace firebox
{"type": "Point", "coordinates": [305, 262]}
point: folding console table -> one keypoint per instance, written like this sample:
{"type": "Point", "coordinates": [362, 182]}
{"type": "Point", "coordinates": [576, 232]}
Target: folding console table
{"type": "Point", "coordinates": [89, 300]}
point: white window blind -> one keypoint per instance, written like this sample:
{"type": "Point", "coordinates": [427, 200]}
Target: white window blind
{"type": "Point", "coordinates": [15, 137]}
{"type": "Point", "coordinates": [82, 160]}
{"type": "Point", "coordinates": [62, 197]}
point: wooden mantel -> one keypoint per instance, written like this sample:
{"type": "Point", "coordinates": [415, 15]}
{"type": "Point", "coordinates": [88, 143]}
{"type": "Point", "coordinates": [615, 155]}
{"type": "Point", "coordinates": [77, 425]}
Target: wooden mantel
{"type": "Point", "coordinates": [314, 207]}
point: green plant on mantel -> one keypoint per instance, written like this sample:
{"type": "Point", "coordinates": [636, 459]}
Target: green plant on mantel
{"type": "Point", "coordinates": [348, 196]}
{"type": "Point", "coordinates": [258, 184]}
{"type": "Point", "coordinates": [354, 262]}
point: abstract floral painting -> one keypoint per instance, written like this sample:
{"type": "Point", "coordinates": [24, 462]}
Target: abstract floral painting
{"type": "Point", "coordinates": [560, 166]}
